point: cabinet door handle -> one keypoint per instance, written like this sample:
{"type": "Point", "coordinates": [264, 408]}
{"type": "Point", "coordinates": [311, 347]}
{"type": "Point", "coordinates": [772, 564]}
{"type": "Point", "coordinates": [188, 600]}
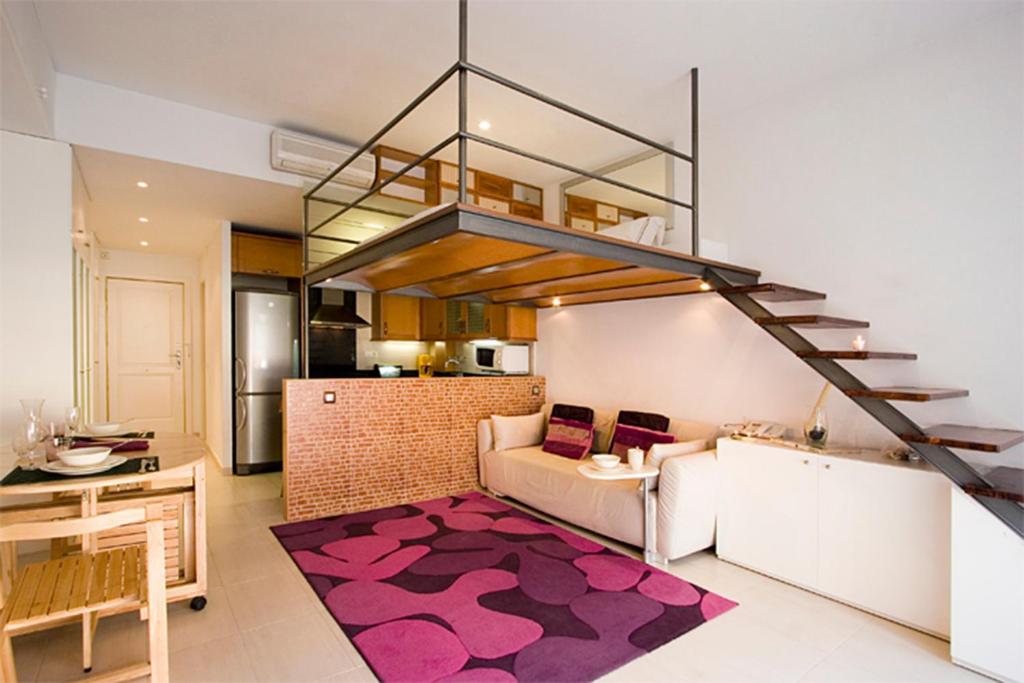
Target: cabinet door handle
{"type": "Point", "coordinates": [828, 467]}
{"type": "Point", "coordinates": [807, 462]}
{"type": "Point", "coordinates": [385, 328]}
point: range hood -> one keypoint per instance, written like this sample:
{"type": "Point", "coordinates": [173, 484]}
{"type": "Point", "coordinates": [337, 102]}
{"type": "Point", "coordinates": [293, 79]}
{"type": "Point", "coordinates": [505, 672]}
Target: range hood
{"type": "Point", "coordinates": [334, 309]}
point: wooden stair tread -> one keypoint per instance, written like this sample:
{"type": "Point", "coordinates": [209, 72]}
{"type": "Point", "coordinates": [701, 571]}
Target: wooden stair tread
{"type": "Point", "coordinates": [771, 291]}
{"type": "Point", "coordinates": [818, 321]}
{"type": "Point", "coordinates": [1007, 483]}
{"type": "Point", "coordinates": [858, 355]}
{"type": "Point", "coordinates": [907, 393]}
{"type": "Point", "coordinates": [970, 438]}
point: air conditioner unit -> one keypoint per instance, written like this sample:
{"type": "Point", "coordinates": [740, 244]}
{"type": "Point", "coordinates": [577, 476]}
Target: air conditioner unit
{"type": "Point", "coordinates": [317, 158]}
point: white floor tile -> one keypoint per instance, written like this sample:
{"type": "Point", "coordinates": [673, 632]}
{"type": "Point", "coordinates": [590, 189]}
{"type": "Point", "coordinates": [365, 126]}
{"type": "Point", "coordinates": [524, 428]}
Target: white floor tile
{"type": "Point", "coordinates": [263, 622]}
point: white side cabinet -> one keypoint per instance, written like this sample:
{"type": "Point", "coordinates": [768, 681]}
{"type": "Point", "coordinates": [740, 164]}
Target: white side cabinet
{"type": "Point", "coordinates": [864, 530]}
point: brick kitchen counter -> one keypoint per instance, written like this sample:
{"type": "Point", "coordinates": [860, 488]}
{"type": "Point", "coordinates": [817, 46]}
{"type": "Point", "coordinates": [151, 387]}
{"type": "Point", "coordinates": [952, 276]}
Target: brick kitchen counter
{"type": "Point", "coordinates": [386, 442]}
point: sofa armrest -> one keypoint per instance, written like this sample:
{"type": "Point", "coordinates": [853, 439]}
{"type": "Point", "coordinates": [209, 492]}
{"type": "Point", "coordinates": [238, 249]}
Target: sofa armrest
{"type": "Point", "coordinates": [484, 445]}
{"type": "Point", "coordinates": [687, 504]}
{"type": "Point", "coordinates": [484, 436]}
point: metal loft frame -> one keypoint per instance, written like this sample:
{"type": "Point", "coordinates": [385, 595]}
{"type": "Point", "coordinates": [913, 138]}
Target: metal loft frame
{"type": "Point", "coordinates": [463, 67]}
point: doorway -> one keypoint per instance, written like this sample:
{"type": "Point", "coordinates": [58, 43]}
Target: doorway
{"type": "Point", "coordinates": [145, 344]}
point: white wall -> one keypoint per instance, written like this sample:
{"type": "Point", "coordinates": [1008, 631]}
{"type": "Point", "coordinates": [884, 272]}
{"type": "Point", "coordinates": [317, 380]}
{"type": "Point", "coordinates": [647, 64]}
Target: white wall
{"type": "Point", "coordinates": [147, 266]}
{"type": "Point", "coordinates": [27, 74]}
{"type": "Point", "coordinates": [102, 116]}
{"type": "Point", "coordinates": [216, 383]}
{"type": "Point", "coordinates": [35, 279]}
{"type": "Point", "coordinates": [896, 189]}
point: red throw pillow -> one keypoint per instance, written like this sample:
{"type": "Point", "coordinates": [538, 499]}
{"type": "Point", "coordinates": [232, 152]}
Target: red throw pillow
{"type": "Point", "coordinates": [628, 436]}
{"type": "Point", "coordinates": [568, 438]}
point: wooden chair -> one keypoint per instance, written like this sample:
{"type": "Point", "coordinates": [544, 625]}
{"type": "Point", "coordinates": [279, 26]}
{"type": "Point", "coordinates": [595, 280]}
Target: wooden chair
{"type": "Point", "coordinates": [85, 585]}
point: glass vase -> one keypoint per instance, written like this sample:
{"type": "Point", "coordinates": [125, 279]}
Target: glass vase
{"type": "Point", "coordinates": [816, 428]}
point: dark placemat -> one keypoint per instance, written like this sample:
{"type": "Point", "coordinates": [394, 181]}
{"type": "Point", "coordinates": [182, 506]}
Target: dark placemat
{"type": "Point", "coordinates": [126, 435]}
{"type": "Point", "coordinates": [20, 476]}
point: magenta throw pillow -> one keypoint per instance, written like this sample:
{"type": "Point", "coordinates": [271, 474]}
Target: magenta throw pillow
{"type": "Point", "coordinates": [568, 438]}
{"type": "Point", "coordinates": [628, 436]}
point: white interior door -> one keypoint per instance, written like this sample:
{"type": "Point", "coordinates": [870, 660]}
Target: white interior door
{"type": "Point", "coordinates": [145, 354]}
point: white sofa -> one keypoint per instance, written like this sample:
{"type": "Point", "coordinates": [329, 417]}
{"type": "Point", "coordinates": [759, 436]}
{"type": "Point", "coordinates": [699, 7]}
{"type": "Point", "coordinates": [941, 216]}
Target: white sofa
{"type": "Point", "coordinates": [686, 498]}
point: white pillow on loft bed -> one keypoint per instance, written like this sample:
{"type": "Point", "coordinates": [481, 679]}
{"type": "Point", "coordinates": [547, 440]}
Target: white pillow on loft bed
{"type": "Point", "coordinates": [648, 231]}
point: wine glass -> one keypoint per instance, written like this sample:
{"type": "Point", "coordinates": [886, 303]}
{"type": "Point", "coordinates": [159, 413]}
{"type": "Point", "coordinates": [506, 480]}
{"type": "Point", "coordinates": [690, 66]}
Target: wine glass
{"type": "Point", "coordinates": [73, 419]}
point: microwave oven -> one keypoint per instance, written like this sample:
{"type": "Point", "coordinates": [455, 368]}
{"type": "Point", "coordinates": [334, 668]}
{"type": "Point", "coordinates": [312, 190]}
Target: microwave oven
{"type": "Point", "coordinates": [513, 359]}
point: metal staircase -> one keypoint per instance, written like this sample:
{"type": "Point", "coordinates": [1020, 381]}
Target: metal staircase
{"type": "Point", "coordinates": [999, 490]}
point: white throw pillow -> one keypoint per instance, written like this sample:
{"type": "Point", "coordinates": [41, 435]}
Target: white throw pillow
{"type": "Point", "coordinates": [648, 231]}
{"type": "Point", "coordinates": [518, 431]}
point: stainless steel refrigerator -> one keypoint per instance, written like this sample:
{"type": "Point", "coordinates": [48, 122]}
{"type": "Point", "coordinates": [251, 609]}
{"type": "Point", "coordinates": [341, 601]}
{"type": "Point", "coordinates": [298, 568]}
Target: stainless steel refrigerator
{"type": "Point", "coordinates": [266, 352]}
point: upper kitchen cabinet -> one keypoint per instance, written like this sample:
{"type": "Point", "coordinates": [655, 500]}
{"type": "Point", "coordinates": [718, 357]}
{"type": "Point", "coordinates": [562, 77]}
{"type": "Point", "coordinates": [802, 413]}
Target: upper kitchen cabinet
{"type": "Point", "coordinates": [475, 320]}
{"type": "Point", "coordinates": [395, 318]}
{"type": "Point", "coordinates": [521, 323]}
{"type": "Point", "coordinates": [433, 316]}
{"type": "Point", "coordinates": [265, 255]}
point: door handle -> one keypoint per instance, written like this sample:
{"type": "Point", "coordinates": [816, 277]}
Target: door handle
{"type": "Point", "coordinates": [177, 359]}
{"type": "Point", "coordinates": [240, 366]}
{"type": "Point", "coordinates": [242, 412]}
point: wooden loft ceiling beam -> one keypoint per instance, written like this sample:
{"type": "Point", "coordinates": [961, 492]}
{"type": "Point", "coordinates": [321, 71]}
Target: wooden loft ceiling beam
{"type": "Point", "coordinates": [457, 253]}
{"type": "Point", "coordinates": [651, 291]}
{"type": "Point", "coordinates": [543, 268]}
{"type": "Point", "coordinates": [580, 284]}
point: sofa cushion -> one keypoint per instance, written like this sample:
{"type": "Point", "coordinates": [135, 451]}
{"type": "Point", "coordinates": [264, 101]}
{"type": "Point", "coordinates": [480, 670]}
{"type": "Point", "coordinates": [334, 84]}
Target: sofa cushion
{"type": "Point", "coordinates": [553, 485]}
{"type": "Point", "coordinates": [568, 438]}
{"type": "Point", "coordinates": [517, 431]}
{"type": "Point", "coordinates": [627, 437]}
{"type": "Point", "coordinates": [635, 418]}
{"type": "Point", "coordinates": [577, 413]}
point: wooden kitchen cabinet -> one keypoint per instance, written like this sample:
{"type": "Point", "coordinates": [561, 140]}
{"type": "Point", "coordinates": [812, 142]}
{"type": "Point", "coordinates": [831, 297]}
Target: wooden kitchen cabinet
{"type": "Point", "coordinates": [265, 255]}
{"type": "Point", "coordinates": [433, 316]}
{"type": "Point", "coordinates": [395, 318]}
{"type": "Point", "coordinates": [521, 323]}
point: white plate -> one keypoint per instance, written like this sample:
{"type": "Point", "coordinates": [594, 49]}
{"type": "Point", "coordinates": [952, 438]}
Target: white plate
{"type": "Point", "coordinates": [103, 428]}
{"type": "Point", "coordinates": [58, 467]}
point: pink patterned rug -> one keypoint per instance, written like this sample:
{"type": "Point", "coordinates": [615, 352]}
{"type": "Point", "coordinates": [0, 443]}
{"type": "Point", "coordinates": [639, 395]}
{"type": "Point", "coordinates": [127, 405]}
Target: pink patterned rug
{"type": "Point", "coordinates": [470, 589]}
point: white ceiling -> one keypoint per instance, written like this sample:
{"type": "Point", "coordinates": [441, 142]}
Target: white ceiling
{"type": "Point", "coordinates": [184, 205]}
{"type": "Point", "coordinates": [343, 68]}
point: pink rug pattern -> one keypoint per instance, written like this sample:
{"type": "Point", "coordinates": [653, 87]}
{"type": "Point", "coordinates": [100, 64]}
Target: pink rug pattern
{"type": "Point", "coordinates": [470, 589]}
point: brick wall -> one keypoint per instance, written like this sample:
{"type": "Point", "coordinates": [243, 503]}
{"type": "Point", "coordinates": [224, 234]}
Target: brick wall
{"type": "Point", "coordinates": [389, 441]}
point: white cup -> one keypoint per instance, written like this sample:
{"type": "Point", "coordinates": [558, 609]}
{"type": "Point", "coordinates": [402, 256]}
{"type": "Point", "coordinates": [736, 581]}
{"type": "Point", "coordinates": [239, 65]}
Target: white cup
{"type": "Point", "coordinates": [635, 456]}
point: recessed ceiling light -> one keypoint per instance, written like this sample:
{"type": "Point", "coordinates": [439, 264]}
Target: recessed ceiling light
{"type": "Point", "coordinates": [705, 287]}
{"type": "Point", "coordinates": [143, 243]}
{"type": "Point", "coordinates": [485, 125]}
{"type": "Point", "coordinates": [557, 301]}
{"type": "Point", "coordinates": [143, 219]}
{"type": "Point", "coordinates": [328, 279]}
{"type": "Point", "coordinates": [375, 226]}
{"type": "Point", "coordinates": [142, 183]}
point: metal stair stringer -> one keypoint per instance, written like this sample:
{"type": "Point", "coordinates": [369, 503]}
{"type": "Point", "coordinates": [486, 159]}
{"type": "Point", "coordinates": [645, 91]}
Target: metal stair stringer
{"type": "Point", "coordinates": [940, 457]}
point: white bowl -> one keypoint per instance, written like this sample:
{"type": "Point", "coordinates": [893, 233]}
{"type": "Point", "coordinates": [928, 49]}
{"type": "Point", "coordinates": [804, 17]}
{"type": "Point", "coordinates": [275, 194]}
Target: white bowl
{"type": "Point", "coordinates": [606, 462]}
{"type": "Point", "coordinates": [84, 457]}
{"type": "Point", "coordinates": [104, 428]}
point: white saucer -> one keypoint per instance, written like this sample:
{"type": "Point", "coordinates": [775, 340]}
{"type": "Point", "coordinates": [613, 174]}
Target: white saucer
{"type": "Point", "coordinates": [57, 467]}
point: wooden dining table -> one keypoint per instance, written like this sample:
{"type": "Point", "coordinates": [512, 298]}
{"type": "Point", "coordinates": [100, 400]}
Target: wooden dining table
{"type": "Point", "coordinates": [176, 478]}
